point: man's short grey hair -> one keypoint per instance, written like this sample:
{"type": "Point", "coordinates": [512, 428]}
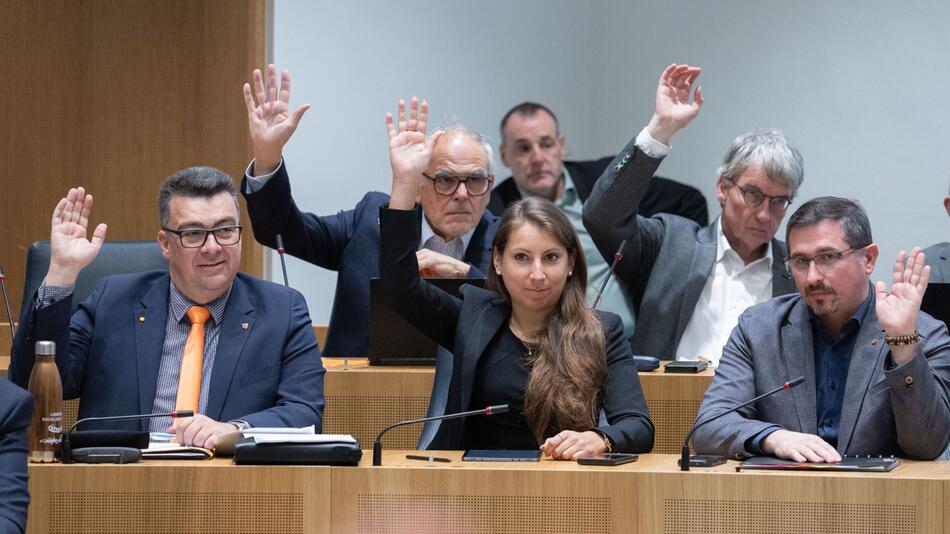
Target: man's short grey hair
{"type": "Point", "coordinates": [848, 213]}
{"type": "Point", "coordinates": [781, 161]}
{"type": "Point", "coordinates": [194, 182]}
{"type": "Point", "coordinates": [483, 140]}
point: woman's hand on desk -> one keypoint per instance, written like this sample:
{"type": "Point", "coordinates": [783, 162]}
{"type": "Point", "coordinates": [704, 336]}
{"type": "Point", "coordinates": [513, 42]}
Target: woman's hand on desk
{"type": "Point", "coordinates": [570, 445]}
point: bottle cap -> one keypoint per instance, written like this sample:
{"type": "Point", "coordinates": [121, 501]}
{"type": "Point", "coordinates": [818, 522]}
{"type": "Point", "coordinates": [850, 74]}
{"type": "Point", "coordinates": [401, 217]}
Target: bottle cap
{"type": "Point", "coordinates": [45, 348]}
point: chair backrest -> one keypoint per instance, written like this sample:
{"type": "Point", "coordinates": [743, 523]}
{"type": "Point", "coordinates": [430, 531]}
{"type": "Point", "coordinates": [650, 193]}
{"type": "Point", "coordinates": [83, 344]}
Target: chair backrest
{"type": "Point", "coordinates": [115, 257]}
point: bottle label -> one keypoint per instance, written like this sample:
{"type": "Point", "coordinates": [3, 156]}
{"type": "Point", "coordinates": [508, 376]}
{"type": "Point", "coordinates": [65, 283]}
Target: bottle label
{"type": "Point", "coordinates": [54, 428]}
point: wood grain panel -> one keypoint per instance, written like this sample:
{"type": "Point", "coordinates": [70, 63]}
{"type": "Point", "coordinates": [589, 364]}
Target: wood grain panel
{"type": "Point", "coordinates": [115, 95]}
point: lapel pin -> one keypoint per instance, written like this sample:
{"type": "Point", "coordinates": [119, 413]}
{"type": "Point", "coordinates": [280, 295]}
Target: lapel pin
{"type": "Point", "coordinates": [874, 341]}
{"type": "Point", "coordinates": [244, 326]}
{"type": "Point", "coordinates": [141, 318]}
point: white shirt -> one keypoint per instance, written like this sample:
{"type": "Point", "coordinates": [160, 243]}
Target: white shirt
{"type": "Point", "coordinates": [732, 287]}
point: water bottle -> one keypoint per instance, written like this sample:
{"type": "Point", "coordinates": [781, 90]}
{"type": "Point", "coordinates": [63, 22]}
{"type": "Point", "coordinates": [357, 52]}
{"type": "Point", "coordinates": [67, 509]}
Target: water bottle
{"type": "Point", "coordinates": [46, 430]}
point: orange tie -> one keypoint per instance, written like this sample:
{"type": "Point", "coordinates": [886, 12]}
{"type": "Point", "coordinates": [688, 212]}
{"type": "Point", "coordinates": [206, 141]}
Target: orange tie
{"type": "Point", "coordinates": [189, 377]}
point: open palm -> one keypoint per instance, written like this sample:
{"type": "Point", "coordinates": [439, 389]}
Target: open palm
{"type": "Point", "coordinates": [897, 309]}
{"type": "Point", "coordinates": [70, 249]}
{"type": "Point", "coordinates": [269, 122]}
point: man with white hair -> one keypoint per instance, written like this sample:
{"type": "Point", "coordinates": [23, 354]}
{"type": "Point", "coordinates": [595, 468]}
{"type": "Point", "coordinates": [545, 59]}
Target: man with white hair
{"type": "Point", "coordinates": [456, 231]}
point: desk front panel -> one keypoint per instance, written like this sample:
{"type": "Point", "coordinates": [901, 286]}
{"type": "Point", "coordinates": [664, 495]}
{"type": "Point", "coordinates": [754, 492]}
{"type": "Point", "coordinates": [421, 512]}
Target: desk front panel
{"type": "Point", "coordinates": [180, 496]}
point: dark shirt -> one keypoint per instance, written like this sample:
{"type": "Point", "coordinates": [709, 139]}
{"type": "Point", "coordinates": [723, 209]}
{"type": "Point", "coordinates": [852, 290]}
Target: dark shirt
{"type": "Point", "coordinates": [832, 360]}
{"type": "Point", "coordinates": [500, 378]}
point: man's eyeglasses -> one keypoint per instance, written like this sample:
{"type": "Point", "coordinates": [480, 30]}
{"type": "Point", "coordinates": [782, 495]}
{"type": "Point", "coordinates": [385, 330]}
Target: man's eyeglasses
{"type": "Point", "coordinates": [196, 237]}
{"type": "Point", "coordinates": [447, 184]}
{"type": "Point", "coordinates": [753, 198]}
{"type": "Point", "coordinates": [824, 262]}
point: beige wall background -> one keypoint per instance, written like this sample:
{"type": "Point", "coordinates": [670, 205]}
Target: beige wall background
{"type": "Point", "coordinates": [114, 96]}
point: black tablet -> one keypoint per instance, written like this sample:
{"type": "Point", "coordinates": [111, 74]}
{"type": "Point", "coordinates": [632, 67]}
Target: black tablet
{"type": "Point", "coordinates": [501, 455]}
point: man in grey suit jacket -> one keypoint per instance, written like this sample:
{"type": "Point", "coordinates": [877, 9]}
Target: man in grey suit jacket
{"type": "Point", "coordinates": [876, 369]}
{"type": "Point", "coordinates": [690, 283]}
{"type": "Point", "coordinates": [938, 255]}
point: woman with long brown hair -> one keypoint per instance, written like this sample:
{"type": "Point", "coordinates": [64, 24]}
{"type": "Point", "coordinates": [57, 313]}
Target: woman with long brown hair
{"type": "Point", "coordinates": [529, 340]}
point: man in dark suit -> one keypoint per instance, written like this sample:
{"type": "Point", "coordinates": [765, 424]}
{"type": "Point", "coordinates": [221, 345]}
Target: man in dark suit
{"type": "Point", "coordinates": [938, 255]}
{"type": "Point", "coordinates": [16, 409]}
{"type": "Point", "coordinates": [876, 368]}
{"type": "Point", "coordinates": [237, 350]}
{"type": "Point", "coordinates": [456, 230]}
{"type": "Point", "coordinates": [689, 283]}
{"type": "Point", "coordinates": [533, 148]}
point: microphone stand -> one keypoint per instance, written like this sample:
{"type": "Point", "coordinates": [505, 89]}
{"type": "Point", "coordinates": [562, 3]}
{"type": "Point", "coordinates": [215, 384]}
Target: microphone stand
{"type": "Point", "coordinates": [378, 445]}
{"type": "Point", "coordinates": [66, 451]}
{"type": "Point", "coordinates": [6, 302]}
{"type": "Point", "coordinates": [684, 457]}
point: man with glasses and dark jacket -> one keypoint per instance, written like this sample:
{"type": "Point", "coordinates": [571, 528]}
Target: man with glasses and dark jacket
{"type": "Point", "coordinates": [456, 231]}
{"type": "Point", "coordinates": [236, 350]}
{"type": "Point", "coordinates": [689, 283]}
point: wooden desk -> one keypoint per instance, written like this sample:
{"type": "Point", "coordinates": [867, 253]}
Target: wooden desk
{"type": "Point", "coordinates": [364, 399]}
{"type": "Point", "coordinates": [648, 496]}
{"type": "Point", "coordinates": [178, 496]}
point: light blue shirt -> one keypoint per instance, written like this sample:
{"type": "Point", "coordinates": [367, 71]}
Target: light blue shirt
{"type": "Point", "coordinates": [614, 298]}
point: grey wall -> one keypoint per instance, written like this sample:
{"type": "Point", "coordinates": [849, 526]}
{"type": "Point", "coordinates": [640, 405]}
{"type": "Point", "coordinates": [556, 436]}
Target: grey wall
{"type": "Point", "coordinates": [861, 86]}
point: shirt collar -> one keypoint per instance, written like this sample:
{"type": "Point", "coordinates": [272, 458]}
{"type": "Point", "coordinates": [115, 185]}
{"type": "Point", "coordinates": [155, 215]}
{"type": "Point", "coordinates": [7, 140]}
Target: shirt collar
{"type": "Point", "coordinates": [428, 232]}
{"type": "Point", "coordinates": [179, 304]}
{"type": "Point", "coordinates": [570, 192]}
{"type": "Point", "coordinates": [723, 247]}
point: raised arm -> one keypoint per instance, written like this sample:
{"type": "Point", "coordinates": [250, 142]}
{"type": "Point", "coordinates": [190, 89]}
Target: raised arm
{"type": "Point", "coordinates": [428, 308]}
{"type": "Point", "coordinates": [611, 213]}
{"type": "Point", "coordinates": [268, 118]}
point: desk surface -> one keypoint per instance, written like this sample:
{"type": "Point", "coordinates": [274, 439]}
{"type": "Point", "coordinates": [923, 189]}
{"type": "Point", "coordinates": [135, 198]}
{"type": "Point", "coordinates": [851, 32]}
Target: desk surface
{"type": "Point", "coordinates": [650, 495]}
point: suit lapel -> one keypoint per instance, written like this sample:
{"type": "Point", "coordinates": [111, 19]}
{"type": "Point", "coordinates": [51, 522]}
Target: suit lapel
{"type": "Point", "coordinates": [236, 326]}
{"type": "Point", "coordinates": [704, 257]}
{"type": "Point", "coordinates": [479, 247]}
{"type": "Point", "coordinates": [866, 358]}
{"type": "Point", "coordinates": [799, 354]}
{"type": "Point", "coordinates": [482, 332]}
{"type": "Point", "coordinates": [149, 319]}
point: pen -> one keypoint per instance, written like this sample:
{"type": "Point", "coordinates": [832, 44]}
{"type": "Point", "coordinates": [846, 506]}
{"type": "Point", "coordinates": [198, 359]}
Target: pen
{"type": "Point", "coordinates": [426, 458]}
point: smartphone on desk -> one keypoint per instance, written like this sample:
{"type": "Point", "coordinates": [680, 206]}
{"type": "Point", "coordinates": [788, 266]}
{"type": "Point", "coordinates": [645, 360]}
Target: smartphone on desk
{"type": "Point", "coordinates": [609, 458]}
{"type": "Point", "coordinates": [685, 366]}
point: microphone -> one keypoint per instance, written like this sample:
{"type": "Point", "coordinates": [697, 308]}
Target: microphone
{"type": "Point", "coordinates": [643, 363]}
{"type": "Point", "coordinates": [280, 253]}
{"type": "Point", "coordinates": [718, 459]}
{"type": "Point", "coordinates": [117, 455]}
{"type": "Point", "coordinates": [617, 257]}
{"type": "Point", "coordinates": [378, 445]}
{"type": "Point", "coordinates": [6, 302]}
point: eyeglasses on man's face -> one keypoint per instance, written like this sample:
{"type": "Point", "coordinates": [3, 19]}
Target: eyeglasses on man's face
{"type": "Point", "coordinates": [754, 198]}
{"type": "Point", "coordinates": [196, 237]}
{"type": "Point", "coordinates": [824, 262]}
{"type": "Point", "coordinates": [448, 184]}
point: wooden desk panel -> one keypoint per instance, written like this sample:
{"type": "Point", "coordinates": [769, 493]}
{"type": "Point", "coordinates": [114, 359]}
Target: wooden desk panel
{"type": "Point", "coordinates": [514, 498]}
{"type": "Point", "coordinates": [181, 496]}
{"type": "Point", "coordinates": [909, 499]}
{"type": "Point", "coordinates": [362, 400]}
{"type": "Point", "coordinates": [648, 496]}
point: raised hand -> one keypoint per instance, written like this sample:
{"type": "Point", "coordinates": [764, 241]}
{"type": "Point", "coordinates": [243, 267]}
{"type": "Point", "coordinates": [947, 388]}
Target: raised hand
{"type": "Point", "coordinates": [409, 151]}
{"type": "Point", "coordinates": [897, 309]}
{"type": "Point", "coordinates": [674, 110]}
{"type": "Point", "coordinates": [268, 120]}
{"type": "Point", "coordinates": [70, 250]}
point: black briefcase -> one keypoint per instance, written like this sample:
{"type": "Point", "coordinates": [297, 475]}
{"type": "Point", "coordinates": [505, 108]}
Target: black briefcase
{"type": "Point", "coordinates": [332, 453]}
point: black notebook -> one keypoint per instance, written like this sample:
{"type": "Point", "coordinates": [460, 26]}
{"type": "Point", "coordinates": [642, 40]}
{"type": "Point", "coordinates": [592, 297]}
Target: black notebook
{"type": "Point", "coordinates": [866, 464]}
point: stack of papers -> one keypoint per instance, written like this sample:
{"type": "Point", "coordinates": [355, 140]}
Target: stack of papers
{"type": "Point", "coordinates": [174, 451]}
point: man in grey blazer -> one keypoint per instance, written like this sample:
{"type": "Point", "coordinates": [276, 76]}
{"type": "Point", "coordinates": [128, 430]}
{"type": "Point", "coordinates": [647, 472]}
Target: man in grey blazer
{"type": "Point", "coordinates": [938, 255]}
{"type": "Point", "coordinates": [876, 368]}
{"type": "Point", "coordinates": [689, 283]}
